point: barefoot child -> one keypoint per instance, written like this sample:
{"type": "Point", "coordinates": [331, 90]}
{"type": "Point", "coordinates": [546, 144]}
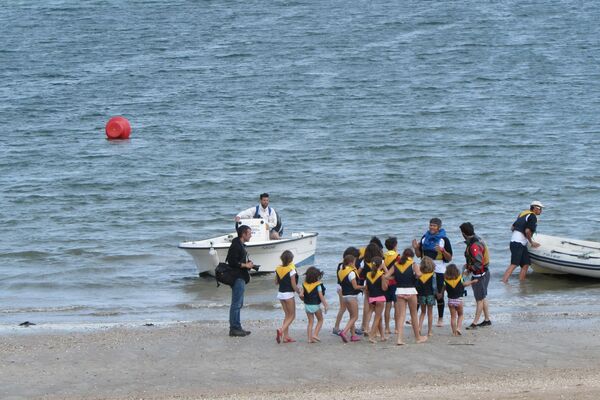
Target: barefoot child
{"type": "Point", "coordinates": [350, 290]}
{"type": "Point", "coordinates": [377, 284]}
{"type": "Point", "coordinates": [389, 258]}
{"type": "Point", "coordinates": [313, 294]}
{"type": "Point", "coordinates": [426, 293]}
{"type": "Point", "coordinates": [287, 279]}
{"type": "Point", "coordinates": [338, 319]}
{"type": "Point", "coordinates": [405, 274]}
{"type": "Point", "coordinates": [455, 287]}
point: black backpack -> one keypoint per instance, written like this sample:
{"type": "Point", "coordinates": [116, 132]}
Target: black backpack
{"type": "Point", "coordinates": [225, 274]}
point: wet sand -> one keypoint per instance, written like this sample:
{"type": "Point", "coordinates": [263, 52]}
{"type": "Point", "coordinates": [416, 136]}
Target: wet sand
{"type": "Point", "coordinates": [544, 358]}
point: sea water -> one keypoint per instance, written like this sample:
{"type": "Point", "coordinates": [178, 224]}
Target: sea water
{"type": "Point", "coordinates": [359, 118]}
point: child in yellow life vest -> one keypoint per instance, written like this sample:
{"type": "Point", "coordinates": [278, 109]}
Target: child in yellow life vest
{"type": "Point", "coordinates": [350, 290]}
{"type": "Point", "coordinates": [377, 284]}
{"type": "Point", "coordinates": [287, 279]}
{"type": "Point", "coordinates": [313, 294]}
{"type": "Point", "coordinates": [455, 287]}
{"type": "Point", "coordinates": [426, 293]}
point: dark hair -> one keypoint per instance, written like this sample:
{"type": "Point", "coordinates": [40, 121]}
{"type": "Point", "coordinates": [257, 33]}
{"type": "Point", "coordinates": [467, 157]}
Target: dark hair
{"type": "Point", "coordinates": [406, 254]}
{"type": "Point", "coordinates": [376, 263]}
{"type": "Point", "coordinates": [452, 272]}
{"type": "Point", "coordinates": [313, 274]}
{"type": "Point", "coordinates": [242, 229]}
{"type": "Point", "coordinates": [376, 240]}
{"type": "Point", "coordinates": [467, 228]}
{"type": "Point", "coordinates": [286, 258]}
{"type": "Point", "coordinates": [352, 251]}
{"type": "Point", "coordinates": [391, 242]}
{"type": "Point", "coordinates": [263, 195]}
{"type": "Point", "coordinates": [436, 221]}
{"type": "Point", "coordinates": [371, 251]}
{"type": "Point", "coordinates": [349, 259]}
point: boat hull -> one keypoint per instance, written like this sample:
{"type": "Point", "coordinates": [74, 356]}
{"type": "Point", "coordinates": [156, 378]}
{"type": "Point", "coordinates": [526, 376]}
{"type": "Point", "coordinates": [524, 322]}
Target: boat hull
{"type": "Point", "coordinates": [263, 253]}
{"type": "Point", "coordinates": [557, 255]}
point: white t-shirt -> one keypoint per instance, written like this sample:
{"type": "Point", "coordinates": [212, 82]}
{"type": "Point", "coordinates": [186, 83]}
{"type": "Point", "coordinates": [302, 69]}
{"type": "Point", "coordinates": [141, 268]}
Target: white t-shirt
{"type": "Point", "coordinates": [264, 214]}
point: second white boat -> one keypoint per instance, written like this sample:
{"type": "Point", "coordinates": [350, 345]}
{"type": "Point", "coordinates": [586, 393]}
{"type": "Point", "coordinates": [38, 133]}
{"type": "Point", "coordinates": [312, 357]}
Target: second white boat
{"type": "Point", "coordinates": [558, 255]}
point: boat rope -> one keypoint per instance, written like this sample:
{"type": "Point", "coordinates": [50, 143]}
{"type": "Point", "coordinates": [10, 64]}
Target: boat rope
{"type": "Point", "coordinates": [580, 245]}
{"type": "Point", "coordinates": [585, 256]}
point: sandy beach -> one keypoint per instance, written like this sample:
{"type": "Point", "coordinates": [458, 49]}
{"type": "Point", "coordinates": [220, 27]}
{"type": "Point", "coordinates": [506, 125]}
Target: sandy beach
{"type": "Point", "coordinates": [550, 357]}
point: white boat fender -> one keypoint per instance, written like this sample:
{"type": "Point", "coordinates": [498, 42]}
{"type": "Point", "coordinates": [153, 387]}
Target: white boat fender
{"type": "Point", "coordinates": [214, 256]}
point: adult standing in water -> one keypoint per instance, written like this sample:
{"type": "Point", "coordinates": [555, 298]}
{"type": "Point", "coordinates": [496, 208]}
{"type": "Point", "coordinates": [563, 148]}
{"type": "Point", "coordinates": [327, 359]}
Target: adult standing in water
{"type": "Point", "coordinates": [477, 263]}
{"type": "Point", "coordinates": [436, 245]}
{"type": "Point", "coordinates": [237, 258]}
{"type": "Point", "coordinates": [264, 211]}
{"type": "Point", "coordinates": [522, 232]}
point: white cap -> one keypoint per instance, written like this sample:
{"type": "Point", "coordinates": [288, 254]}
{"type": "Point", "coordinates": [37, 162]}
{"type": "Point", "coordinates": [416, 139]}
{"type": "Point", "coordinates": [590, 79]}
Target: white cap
{"type": "Point", "coordinates": [536, 204]}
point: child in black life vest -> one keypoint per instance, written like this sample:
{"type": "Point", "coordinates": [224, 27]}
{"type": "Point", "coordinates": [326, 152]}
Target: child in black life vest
{"type": "Point", "coordinates": [287, 279]}
{"type": "Point", "coordinates": [347, 276]}
{"type": "Point", "coordinates": [313, 294]}
{"type": "Point", "coordinates": [455, 287]}
{"type": "Point", "coordinates": [426, 293]}
{"type": "Point", "coordinates": [377, 284]}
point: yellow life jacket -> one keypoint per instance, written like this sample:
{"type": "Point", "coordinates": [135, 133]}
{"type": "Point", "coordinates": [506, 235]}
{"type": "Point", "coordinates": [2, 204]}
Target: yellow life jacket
{"type": "Point", "coordinates": [344, 272]}
{"type": "Point", "coordinates": [403, 267]}
{"type": "Point", "coordinates": [425, 277]}
{"type": "Point", "coordinates": [283, 271]}
{"type": "Point", "coordinates": [390, 257]}
{"type": "Point", "coordinates": [374, 278]}
{"type": "Point", "coordinates": [309, 287]}
{"type": "Point", "coordinates": [525, 213]}
{"type": "Point", "coordinates": [453, 282]}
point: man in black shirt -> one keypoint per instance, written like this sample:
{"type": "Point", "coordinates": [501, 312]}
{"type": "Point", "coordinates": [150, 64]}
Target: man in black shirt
{"type": "Point", "coordinates": [238, 260]}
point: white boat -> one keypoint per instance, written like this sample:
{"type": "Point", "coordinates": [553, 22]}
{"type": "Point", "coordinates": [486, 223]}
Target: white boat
{"type": "Point", "coordinates": [557, 255]}
{"type": "Point", "coordinates": [261, 250]}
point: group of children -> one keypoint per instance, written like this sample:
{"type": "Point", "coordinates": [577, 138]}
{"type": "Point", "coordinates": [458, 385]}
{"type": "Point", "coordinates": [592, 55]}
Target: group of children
{"type": "Point", "coordinates": [386, 280]}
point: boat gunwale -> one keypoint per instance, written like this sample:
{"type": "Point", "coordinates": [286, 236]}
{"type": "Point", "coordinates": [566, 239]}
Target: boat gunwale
{"type": "Point", "coordinates": [248, 244]}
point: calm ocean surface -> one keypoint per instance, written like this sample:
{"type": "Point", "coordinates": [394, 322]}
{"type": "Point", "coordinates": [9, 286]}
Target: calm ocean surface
{"type": "Point", "coordinates": [359, 118]}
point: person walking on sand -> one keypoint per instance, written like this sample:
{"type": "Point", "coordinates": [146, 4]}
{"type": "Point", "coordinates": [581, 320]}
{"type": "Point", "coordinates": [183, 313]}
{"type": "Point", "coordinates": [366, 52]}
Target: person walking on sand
{"type": "Point", "coordinates": [313, 295]}
{"type": "Point", "coordinates": [377, 284]}
{"type": "Point", "coordinates": [350, 289]}
{"type": "Point", "coordinates": [405, 274]}
{"type": "Point", "coordinates": [238, 260]}
{"type": "Point", "coordinates": [436, 245]}
{"type": "Point", "coordinates": [477, 263]}
{"type": "Point", "coordinates": [373, 250]}
{"type": "Point", "coordinates": [427, 292]}
{"type": "Point", "coordinates": [287, 279]}
{"type": "Point", "coordinates": [455, 287]}
{"type": "Point", "coordinates": [522, 233]}
{"type": "Point", "coordinates": [338, 319]}
{"type": "Point", "coordinates": [264, 211]}
{"type": "Point", "coordinates": [390, 257]}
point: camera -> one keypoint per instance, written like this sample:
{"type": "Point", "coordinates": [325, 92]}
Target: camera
{"type": "Point", "coordinates": [256, 267]}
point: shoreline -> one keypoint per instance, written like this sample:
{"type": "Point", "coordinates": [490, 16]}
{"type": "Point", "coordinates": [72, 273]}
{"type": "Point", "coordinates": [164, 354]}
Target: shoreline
{"type": "Point", "coordinates": [199, 360]}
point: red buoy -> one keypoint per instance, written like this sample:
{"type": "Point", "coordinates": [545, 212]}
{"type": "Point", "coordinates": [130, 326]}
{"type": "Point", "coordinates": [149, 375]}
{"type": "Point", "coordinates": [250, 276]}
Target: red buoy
{"type": "Point", "coordinates": [118, 128]}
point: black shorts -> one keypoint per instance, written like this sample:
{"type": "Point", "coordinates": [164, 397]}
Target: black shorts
{"type": "Point", "coordinates": [390, 294]}
{"type": "Point", "coordinates": [519, 255]}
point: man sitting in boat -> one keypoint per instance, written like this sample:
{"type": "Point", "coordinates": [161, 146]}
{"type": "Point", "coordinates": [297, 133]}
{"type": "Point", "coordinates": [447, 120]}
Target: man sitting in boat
{"type": "Point", "coordinates": [262, 210]}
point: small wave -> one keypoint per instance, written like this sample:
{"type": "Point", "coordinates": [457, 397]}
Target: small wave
{"type": "Point", "coordinates": [106, 313]}
{"type": "Point", "coordinates": [41, 309]}
{"type": "Point", "coordinates": [198, 306]}
{"type": "Point", "coordinates": [28, 255]}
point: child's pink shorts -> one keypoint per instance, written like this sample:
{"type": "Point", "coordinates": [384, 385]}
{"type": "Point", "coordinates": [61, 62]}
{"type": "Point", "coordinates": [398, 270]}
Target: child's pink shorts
{"type": "Point", "coordinates": [377, 299]}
